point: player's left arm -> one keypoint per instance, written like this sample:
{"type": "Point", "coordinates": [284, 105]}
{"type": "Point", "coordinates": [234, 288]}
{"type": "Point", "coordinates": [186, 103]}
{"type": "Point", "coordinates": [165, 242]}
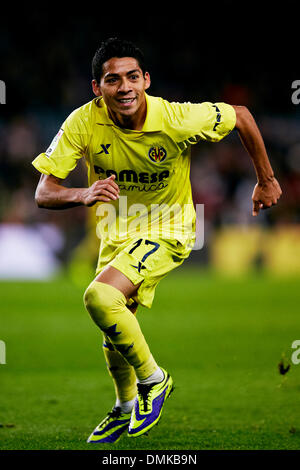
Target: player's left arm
{"type": "Point", "coordinates": [267, 191]}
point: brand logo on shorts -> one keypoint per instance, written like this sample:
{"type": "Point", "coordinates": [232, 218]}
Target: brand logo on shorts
{"type": "Point", "coordinates": [139, 266]}
{"type": "Point", "coordinates": [157, 154]}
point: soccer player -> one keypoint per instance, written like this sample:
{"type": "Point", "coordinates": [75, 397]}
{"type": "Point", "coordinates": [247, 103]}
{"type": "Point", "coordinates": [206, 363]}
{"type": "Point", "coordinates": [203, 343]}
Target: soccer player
{"type": "Point", "coordinates": [137, 150]}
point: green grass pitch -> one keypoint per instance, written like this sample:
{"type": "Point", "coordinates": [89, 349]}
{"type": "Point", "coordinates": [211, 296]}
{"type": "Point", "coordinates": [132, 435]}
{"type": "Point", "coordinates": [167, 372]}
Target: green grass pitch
{"type": "Point", "coordinates": [220, 339]}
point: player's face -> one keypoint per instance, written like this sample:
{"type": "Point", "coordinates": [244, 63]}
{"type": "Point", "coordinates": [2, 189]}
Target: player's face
{"type": "Point", "coordinates": [122, 86]}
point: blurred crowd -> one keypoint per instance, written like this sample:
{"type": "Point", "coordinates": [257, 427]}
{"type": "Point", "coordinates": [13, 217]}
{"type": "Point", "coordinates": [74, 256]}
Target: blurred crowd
{"type": "Point", "coordinates": [222, 174]}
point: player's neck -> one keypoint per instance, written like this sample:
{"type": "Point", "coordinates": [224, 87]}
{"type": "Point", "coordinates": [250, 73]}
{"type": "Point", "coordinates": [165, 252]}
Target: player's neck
{"type": "Point", "coordinates": [133, 122]}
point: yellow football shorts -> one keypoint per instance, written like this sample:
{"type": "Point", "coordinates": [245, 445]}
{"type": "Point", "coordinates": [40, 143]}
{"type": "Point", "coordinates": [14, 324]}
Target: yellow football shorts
{"type": "Point", "coordinates": [143, 260]}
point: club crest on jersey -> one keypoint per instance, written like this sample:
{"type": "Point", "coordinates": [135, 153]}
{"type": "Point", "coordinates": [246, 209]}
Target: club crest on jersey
{"type": "Point", "coordinates": [157, 154]}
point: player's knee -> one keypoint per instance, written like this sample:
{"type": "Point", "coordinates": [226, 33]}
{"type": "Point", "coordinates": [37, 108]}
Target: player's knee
{"type": "Point", "coordinates": [102, 300]}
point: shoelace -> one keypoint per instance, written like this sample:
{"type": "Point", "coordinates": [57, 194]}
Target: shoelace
{"type": "Point", "coordinates": [114, 413]}
{"type": "Point", "coordinates": [143, 390]}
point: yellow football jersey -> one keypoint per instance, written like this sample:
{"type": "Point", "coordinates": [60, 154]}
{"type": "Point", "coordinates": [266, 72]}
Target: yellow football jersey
{"type": "Point", "coordinates": [151, 166]}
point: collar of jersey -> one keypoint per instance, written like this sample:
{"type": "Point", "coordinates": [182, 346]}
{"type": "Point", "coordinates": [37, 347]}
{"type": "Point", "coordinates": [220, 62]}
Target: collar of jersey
{"type": "Point", "coordinates": [153, 121]}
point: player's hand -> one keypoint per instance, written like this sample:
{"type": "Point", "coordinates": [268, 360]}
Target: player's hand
{"type": "Point", "coordinates": [265, 195]}
{"type": "Point", "coordinates": [103, 190]}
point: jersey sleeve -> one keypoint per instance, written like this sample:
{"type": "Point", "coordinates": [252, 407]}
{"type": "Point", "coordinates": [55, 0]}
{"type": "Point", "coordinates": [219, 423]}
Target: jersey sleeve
{"type": "Point", "coordinates": [67, 147]}
{"type": "Point", "coordinates": [208, 121]}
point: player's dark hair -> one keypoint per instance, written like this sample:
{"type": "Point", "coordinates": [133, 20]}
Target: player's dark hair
{"type": "Point", "coordinates": [115, 47]}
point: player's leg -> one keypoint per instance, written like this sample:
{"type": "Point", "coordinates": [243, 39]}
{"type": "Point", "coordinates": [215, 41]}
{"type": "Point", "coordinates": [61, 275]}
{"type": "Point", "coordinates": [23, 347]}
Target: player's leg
{"type": "Point", "coordinates": [105, 300]}
{"type": "Point", "coordinates": [126, 350]}
{"type": "Point", "coordinates": [139, 266]}
{"type": "Point", "coordinates": [121, 372]}
{"type": "Point", "coordinates": [123, 375]}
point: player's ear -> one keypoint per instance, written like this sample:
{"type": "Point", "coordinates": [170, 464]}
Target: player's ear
{"type": "Point", "coordinates": [147, 80]}
{"type": "Point", "coordinates": [96, 88]}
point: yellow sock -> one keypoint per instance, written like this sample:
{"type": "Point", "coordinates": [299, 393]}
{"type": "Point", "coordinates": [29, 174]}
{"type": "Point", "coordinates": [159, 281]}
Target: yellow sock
{"type": "Point", "coordinates": [122, 373]}
{"type": "Point", "coordinates": [107, 307]}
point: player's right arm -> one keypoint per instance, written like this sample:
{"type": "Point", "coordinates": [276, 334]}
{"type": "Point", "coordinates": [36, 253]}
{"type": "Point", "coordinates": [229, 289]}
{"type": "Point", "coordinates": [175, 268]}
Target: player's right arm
{"type": "Point", "coordinates": [51, 194]}
{"type": "Point", "coordinates": [66, 149]}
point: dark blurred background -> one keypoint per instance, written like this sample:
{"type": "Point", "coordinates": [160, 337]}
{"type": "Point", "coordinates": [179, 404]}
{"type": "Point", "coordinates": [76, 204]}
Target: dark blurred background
{"type": "Point", "coordinates": [239, 53]}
